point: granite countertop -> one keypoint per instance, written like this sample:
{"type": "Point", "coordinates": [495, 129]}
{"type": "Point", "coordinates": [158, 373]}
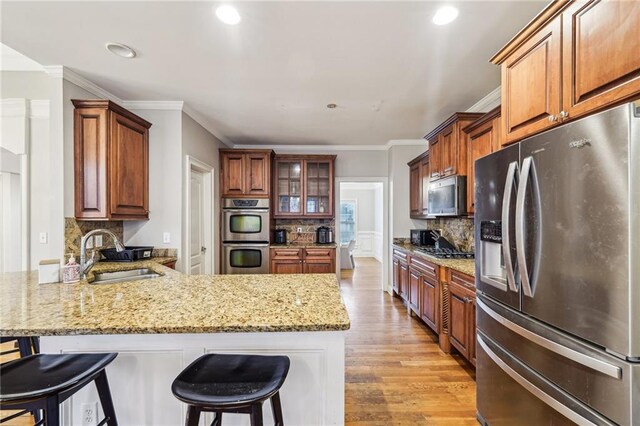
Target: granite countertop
{"type": "Point", "coordinates": [302, 244]}
{"type": "Point", "coordinates": [466, 266]}
{"type": "Point", "coordinates": [172, 303]}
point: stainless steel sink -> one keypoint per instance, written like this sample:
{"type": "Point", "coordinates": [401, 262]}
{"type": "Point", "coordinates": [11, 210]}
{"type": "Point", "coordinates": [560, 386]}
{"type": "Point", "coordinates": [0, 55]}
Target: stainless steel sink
{"type": "Point", "coordinates": [119, 276]}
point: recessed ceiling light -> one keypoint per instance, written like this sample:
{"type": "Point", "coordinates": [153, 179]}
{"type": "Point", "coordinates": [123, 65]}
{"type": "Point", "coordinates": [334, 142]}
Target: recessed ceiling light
{"type": "Point", "coordinates": [331, 106]}
{"type": "Point", "coordinates": [121, 50]}
{"type": "Point", "coordinates": [228, 14]}
{"type": "Point", "coordinates": [445, 15]}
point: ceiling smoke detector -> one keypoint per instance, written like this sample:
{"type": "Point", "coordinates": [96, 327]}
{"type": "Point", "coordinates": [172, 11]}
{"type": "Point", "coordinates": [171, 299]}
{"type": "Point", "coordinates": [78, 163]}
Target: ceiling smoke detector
{"type": "Point", "coordinates": [121, 50]}
{"type": "Point", "coordinates": [228, 14]}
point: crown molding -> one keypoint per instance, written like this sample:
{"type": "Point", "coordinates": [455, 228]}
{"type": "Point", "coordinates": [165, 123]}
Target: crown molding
{"type": "Point", "coordinates": [159, 105]}
{"type": "Point", "coordinates": [59, 71]}
{"type": "Point", "coordinates": [489, 102]}
{"type": "Point", "coordinates": [198, 118]}
{"type": "Point", "coordinates": [322, 148]}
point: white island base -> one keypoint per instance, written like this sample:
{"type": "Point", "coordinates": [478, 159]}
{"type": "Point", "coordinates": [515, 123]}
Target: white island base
{"type": "Point", "coordinates": [140, 377]}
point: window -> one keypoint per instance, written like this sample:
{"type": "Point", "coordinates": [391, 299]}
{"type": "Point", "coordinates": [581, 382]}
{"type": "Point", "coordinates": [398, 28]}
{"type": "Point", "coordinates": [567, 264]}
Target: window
{"type": "Point", "coordinates": [347, 221]}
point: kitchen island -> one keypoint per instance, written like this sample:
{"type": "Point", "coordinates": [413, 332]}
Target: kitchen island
{"type": "Point", "coordinates": [160, 325]}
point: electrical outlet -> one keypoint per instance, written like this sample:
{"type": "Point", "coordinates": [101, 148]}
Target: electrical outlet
{"type": "Point", "coordinates": [89, 413]}
{"type": "Point", "coordinates": [98, 240]}
{"type": "Point", "coordinates": [299, 230]}
{"type": "Point", "coordinates": [166, 237]}
{"type": "Point", "coordinates": [44, 238]}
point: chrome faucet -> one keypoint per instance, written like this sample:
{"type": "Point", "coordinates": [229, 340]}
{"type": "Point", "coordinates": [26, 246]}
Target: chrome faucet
{"type": "Point", "coordinates": [86, 265]}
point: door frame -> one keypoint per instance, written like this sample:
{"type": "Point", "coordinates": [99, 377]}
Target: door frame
{"type": "Point", "coordinates": [192, 163]}
{"type": "Point", "coordinates": [386, 246]}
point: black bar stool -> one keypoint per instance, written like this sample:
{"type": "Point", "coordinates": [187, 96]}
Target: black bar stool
{"type": "Point", "coordinates": [26, 345]}
{"type": "Point", "coordinates": [232, 384]}
{"type": "Point", "coordinates": [43, 382]}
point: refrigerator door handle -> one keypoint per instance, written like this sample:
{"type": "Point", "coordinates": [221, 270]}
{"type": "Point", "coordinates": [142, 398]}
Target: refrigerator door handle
{"type": "Point", "coordinates": [506, 242]}
{"type": "Point", "coordinates": [520, 226]}
{"type": "Point", "coordinates": [585, 360]}
{"type": "Point", "coordinates": [533, 389]}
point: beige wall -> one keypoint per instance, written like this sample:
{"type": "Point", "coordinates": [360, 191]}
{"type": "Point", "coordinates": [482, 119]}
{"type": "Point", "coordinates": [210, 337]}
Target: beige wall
{"type": "Point", "coordinates": [198, 143]}
{"type": "Point", "coordinates": [399, 218]}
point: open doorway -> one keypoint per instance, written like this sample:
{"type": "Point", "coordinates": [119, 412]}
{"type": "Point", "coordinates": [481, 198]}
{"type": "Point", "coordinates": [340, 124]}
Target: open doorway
{"type": "Point", "coordinates": [362, 221]}
{"type": "Point", "coordinates": [198, 234]}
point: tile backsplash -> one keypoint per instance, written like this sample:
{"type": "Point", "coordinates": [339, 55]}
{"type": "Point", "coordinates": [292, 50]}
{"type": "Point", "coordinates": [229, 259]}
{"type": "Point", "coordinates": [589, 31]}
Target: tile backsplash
{"type": "Point", "coordinates": [457, 230]}
{"type": "Point", "coordinates": [75, 229]}
{"type": "Point", "coordinates": [308, 228]}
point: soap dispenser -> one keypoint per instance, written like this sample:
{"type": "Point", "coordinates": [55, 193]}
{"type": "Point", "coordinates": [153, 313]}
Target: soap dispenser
{"type": "Point", "coordinates": [71, 271]}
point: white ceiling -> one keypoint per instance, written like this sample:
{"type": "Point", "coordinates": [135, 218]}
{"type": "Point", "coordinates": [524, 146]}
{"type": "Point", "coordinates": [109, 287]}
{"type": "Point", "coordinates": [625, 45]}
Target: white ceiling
{"type": "Point", "coordinates": [393, 74]}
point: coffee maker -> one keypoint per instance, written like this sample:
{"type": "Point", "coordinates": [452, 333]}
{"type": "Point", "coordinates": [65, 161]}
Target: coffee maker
{"type": "Point", "coordinates": [324, 235]}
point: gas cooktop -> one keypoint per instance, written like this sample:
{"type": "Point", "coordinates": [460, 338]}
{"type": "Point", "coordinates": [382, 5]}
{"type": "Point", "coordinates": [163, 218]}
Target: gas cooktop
{"type": "Point", "coordinates": [446, 253]}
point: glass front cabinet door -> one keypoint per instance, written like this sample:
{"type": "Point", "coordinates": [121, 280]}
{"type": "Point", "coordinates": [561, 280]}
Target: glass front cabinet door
{"type": "Point", "coordinates": [304, 186]}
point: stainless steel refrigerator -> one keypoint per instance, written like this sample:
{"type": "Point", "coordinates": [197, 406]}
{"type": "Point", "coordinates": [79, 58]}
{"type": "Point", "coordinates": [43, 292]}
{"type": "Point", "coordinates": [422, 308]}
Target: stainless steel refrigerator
{"type": "Point", "coordinates": [557, 227]}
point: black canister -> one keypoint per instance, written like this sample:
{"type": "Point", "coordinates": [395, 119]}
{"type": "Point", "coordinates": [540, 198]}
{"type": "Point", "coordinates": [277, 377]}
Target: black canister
{"type": "Point", "coordinates": [280, 236]}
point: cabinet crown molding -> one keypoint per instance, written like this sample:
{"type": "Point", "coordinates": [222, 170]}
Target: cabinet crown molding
{"type": "Point", "coordinates": [109, 104]}
{"type": "Point", "coordinates": [455, 117]}
{"type": "Point", "coordinates": [488, 116]}
{"type": "Point", "coordinates": [540, 20]}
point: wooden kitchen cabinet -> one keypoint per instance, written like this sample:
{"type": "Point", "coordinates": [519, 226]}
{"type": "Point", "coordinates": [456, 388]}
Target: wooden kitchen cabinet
{"type": "Point", "coordinates": [285, 261]}
{"type": "Point", "coordinates": [448, 146]}
{"type": "Point", "coordinates": [415, 280]}
{"type": "Point", "coordinates": [483, 139]}
{"type": "Point", "coordinates": [302, 261]}
{"type": "Point", "coordinates": [531, 84]}
{"type": "Point", "coordinates": [303, 186]}
{"type": "Point", "coordinates": [319, 260]}
{"type": "Point", "coordinates": [400, 273]}
{"type": "Point", "coordinates": [419, 186]}
{"type": "Point", "coordinates": [462, 325]}
{"type": "Point", "coordinates": [429, 304]}
{"type": "Point", "coordinates": [573, 59]}
{"type": "Point", "coordinates": [111, 162]}
{"type": "Point", "coordinates": [601, 54]}
{"type": "Point", "coordinates": [245, 173]}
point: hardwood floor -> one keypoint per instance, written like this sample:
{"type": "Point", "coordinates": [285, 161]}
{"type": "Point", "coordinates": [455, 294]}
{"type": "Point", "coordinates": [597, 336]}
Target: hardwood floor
{"type": "Point", "coordinates": [395, 371]}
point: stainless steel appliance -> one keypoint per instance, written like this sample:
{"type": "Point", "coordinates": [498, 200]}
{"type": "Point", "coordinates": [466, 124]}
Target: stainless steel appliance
{"type": "Point", "coordinates": [245, 258]}
{"type": "Point", "coordinates": [324, 235]}
{"type": "Point", "coordinates": [448, 196]}
{"type": "Point", "coordinates": [557, 226]}
{"type": "Point", "coordinates": [446, 253]}
{"type": "Point", "coordinates": [245, 220]}
{"type": "Point", "coordinates": [245, 236]}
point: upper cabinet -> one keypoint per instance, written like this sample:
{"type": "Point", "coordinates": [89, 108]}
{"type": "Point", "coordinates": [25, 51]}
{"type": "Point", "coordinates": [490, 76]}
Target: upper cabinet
{"type": "Point", "coordinates": [245, 173]}
{"type": "Point", "coordinates": [574, 58]}
{"type": "Point", "coordinates": [111, 162]}
{"type": "Point", "coordinates": [483, 138]}
{"type": "Point", "coordinates": [418, 186]}
{"type": "Point", "coordinates": [303, 186]}
{"type": "Point", "coordinates": [448, 146]}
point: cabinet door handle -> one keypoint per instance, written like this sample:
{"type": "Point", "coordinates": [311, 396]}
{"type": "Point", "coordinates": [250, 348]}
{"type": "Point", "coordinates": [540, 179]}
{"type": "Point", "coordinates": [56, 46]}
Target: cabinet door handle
{"type": "Point", "coordinates": [563, 115]}
{"type": "Point", "coordinates": [552, 118]}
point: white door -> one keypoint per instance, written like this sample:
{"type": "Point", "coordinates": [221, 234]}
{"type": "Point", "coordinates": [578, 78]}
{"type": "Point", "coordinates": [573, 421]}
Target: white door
{"type": "Point", "coordinates": [197, 248]}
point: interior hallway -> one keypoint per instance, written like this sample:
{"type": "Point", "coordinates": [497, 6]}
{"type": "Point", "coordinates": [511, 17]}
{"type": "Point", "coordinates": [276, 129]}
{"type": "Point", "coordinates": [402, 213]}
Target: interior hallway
{"type": "Point", "coordinates": [395, 371]}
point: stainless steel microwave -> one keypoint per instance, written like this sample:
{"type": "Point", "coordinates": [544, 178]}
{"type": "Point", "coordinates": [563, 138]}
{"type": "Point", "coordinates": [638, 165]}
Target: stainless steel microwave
{"type": "Point", "coordinates": [448, 196]}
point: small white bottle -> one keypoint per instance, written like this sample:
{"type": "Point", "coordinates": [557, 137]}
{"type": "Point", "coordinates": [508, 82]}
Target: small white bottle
{"type": "Point", "coordinates": [71, 271]}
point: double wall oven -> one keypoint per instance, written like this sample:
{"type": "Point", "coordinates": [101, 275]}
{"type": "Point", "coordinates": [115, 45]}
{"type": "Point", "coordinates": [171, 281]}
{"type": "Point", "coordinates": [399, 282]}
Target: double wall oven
{"type": "Point", "coordinates": [245, 236]}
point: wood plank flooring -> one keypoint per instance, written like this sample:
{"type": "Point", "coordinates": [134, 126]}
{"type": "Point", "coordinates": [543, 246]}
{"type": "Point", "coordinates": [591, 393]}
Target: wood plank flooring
{"type": "Point", "coordinates": [395, 371]}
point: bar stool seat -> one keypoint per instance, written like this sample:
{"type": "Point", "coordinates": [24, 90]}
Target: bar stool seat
{"type": "Point", "coordinates": [44, 381]}
{"type": "Point", "coordinates": [232, 383]}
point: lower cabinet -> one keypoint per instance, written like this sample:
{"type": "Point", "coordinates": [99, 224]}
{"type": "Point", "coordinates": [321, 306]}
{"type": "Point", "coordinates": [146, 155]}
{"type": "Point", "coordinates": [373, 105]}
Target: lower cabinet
{"type": "Point", "coordinates": [430, 306]}
{"type": "Point", "coordinates": [462, 317]}
{"type": "Point", "coordinates": [401, 274]}
{"type": "Point", "coordinates": [302, 261]}
{"type": "Point", "coordinates": [415, 280]}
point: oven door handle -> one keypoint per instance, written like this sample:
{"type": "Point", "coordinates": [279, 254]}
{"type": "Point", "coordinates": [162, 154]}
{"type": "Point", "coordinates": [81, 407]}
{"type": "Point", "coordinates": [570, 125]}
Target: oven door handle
{"type": "Point", "coordinates": [248, 245]}
{"type": "Point", "coordinates": [246, 211]}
